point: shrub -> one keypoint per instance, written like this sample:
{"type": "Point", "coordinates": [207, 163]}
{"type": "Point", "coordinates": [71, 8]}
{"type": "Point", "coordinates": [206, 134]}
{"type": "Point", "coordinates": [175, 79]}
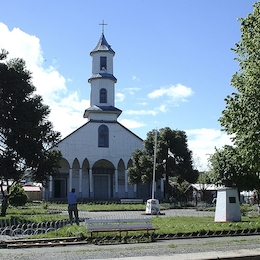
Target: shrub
{"type": "Point", "coordinates": [18, 196]}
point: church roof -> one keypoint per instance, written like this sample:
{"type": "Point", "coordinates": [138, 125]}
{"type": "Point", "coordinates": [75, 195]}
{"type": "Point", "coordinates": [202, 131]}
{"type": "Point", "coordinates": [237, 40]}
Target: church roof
{"type": "Point", "coordinates": [102, 45]}
{"type": "Point", "coordinates": [98, 109]}
{"type": "Point", "coordinates": [103, 121]}
{"type": "Point", "coordinates": [102, 75]}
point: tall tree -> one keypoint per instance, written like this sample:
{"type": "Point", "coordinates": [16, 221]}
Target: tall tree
{"type": "Point", "coordinates": [26, 135]}
{"type": "Point", "coordinates": [241, 117]}
{"type": "Point", "coordinates": [226, 163]}
{"type": "Point", "coordinates": [179, 164]}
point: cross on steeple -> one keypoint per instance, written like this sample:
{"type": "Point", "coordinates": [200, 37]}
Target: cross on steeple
{"type": "Point", "coordinates": [103, 24]}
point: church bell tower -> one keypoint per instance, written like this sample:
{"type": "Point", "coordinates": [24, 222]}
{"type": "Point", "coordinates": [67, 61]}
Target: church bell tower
{"type": "Point", "coordinates": [102, 95]}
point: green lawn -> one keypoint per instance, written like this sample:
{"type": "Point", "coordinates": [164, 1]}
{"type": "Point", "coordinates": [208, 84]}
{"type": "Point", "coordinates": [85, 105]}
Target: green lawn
{"type": "Point", "coordinates": [166, 225]}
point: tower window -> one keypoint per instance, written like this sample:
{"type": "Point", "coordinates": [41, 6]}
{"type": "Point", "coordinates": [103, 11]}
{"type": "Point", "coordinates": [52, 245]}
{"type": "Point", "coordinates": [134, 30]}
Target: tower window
{"type": "Point", "coordinates": [103, 135]}
{"type": "Point", "coordinates": [103, 63]}
{"type": "Point", "coordinates": [103, 95]}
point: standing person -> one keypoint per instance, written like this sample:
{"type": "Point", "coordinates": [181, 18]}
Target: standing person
{"type": "Point", "coordinates": [72, 206]}
{"type": "Point", "coordinates": [195, 196]}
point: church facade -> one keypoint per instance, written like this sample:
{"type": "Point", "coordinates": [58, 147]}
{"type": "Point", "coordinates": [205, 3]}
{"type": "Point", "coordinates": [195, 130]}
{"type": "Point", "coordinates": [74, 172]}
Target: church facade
{"type": "Point", "coordinates": [96, 156]}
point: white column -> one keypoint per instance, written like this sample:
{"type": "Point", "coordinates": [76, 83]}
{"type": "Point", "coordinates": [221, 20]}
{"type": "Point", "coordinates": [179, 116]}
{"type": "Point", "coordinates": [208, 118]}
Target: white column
{"type": "Point", "coordinates": [80, 182]}
{"type": "Point", "coordinates": [116, 181]}
{"type": "Point", "coordinates": [91, 183]}
{"type": "Point", "coordinates": [126, 182]}
{"type": "Point", "coordinates": [70, 179]}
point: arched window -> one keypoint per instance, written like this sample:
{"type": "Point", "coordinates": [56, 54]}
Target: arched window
{"type": "Point", "coordinates": [103, 95]}
{"type": "Point", "coordinates": [103, 136]}
{"type": "Point", "coordinates": [103, 63]}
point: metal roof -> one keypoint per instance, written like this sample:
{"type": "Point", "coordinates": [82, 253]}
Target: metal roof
{"type": "Point", "coordinates": [100, 109]}
{"type": "Point", "coordinates": [200, 186]}
{"type": "Point", "coordinates": [102, 75]}
{"type": "Point", "coordinates": [102, 45]}
{"type": "Point", "coordinates": [103, 108]}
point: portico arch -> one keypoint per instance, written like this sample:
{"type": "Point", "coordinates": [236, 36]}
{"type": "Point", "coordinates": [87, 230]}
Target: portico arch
{"type": "Point", "coordinates": [103, 173]}
{"type": "Point", "coordinates": [60, 181]}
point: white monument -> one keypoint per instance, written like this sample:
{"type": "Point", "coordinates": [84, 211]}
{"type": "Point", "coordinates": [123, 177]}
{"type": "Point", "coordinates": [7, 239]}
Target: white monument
{"type": "Point", "coordinates": [152, 207]}
{"type": "Point", "coordinates": [227, 207]}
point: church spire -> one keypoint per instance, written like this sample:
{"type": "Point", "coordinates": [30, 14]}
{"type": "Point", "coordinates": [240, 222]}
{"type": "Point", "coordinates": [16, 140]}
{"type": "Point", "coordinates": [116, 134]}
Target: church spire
{"type": "Point", "coordinates": [102, 44]}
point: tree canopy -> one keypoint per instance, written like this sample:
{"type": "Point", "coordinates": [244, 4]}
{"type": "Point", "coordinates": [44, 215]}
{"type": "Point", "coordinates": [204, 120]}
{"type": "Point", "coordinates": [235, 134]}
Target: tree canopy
{"type": "Point", "coordinates": [179, 166]}
{"type": "Point", "coordinates": [26, 135]}
{"type": "Point", "coordinates": [241, 116]}
{"type": "Point", "coordinates": [227, 161]}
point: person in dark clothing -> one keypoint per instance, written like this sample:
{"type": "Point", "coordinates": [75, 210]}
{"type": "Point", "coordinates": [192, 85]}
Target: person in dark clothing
{"type": "Point", "coordinates": [72, 207]}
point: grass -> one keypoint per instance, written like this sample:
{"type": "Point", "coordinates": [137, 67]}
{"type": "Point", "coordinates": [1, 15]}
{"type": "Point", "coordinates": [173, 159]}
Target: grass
{"type": "Point", "coordinates": [166, 225]}
{"type": "Point", "coordinates": [169, 226]}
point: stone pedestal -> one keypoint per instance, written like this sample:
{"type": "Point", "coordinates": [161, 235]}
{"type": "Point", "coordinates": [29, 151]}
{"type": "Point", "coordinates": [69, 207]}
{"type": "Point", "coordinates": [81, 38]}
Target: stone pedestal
{"type": "Point", "coordinates": [152, 207]}
{"type": "Point", "coordinates": [227, 207]}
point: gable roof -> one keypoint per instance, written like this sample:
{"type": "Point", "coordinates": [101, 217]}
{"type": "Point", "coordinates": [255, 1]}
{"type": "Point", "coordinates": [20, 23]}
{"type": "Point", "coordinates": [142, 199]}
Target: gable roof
{"type": "Point", "coordinates": [98, 121]}
{"type": "Point", "coordinates": [200, 186]}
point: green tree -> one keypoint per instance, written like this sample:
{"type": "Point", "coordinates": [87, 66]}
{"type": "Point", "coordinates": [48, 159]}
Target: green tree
{"type": "Point", "coordinates": [241, 117]}
{"type": "Point", "coordinates": [26, 135]}
{"type": "Point", "coordinates": [226, 163]}
{"type": "Point", "coordinates": [179, 165]}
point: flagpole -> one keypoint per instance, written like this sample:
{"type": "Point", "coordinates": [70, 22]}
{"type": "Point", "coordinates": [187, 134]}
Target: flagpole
{"type": "Point", "coordinates": [152, 205]}
{"type": "Point", "coordinates": [154, 163]}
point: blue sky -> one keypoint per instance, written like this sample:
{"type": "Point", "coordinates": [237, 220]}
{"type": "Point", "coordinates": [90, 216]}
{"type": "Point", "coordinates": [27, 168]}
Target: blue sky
{"type": "Point", "coordinates": [173, 60]}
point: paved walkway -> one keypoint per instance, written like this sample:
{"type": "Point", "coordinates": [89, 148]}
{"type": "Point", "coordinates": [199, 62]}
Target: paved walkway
{"type": "Point", "coordinates": [140, 214]}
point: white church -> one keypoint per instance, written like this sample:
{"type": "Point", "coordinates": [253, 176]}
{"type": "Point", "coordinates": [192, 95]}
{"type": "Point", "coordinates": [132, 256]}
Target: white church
{"type": "Point", "coordinates": [97, 155]}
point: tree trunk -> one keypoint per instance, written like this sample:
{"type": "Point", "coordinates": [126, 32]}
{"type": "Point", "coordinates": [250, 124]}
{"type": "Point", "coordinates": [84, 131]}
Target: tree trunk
{"type": "Point", "coordinates": [166, 188]}
{"type": "Point", "coordinates": [4, 206]}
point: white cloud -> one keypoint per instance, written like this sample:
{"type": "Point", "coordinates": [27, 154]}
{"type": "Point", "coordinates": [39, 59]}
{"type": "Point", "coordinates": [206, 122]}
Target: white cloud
{"type": "Point", "coordinates": [140, 112]}
{"type": "Point", "coordinates": [163, 108]}
{"type": "Point", "coordinates": [174, 93]}
{"type": "Point", "coordinates": [69, 109]}
{"type": "Point", "coordinates": [143, 103]}
{"type": "Point", "coordinates": [202, 143]}
{"type": "Point", "coordinates": [120, 97]}
{"type": "Point", "coordinates": [128, 123]}
{"type": "Point", "coordinates": [50, 84]}
{"type": "Point", "coordinates": [153, 112]}
{"type": "Point", "coordinates": [132, 90]}
{"type": "Point", "coordinates": [135, 78]}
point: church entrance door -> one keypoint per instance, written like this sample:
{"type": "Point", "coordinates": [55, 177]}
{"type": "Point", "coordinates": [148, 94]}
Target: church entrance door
{"type": "Point", "coordinates": [101, 186]}
{"type": "Point", "coordinates": [60, 188]}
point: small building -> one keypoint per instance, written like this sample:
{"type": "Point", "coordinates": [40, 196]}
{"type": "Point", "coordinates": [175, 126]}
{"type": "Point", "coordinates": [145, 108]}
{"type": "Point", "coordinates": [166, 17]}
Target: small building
{"type": "Point", "coordinates": [34, 192]}
{"type": "Point", "coordinates": [205, 192]}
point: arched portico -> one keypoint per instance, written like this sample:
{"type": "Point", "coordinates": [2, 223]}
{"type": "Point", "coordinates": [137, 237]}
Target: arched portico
{"type": "Point", "coordinates": [58, 187]}
{"type": "Point", "coordinates": [102, 179]}
{"type": "Point", "coordinates": [120, 183]}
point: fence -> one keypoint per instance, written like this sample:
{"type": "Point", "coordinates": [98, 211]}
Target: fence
{"type": "Point", "coordinates": [9, 228]}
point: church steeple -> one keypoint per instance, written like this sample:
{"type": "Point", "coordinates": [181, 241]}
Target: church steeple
{"type": "Point", "coordinates": [102, 45]}
{"type": "Point", "coordinates": [102, 97]}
